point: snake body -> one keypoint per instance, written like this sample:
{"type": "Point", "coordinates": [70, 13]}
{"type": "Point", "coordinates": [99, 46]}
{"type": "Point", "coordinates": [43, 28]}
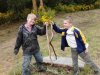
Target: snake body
{"type": "Point", "coordinates": [52, 35]}
{"type": "Point", "coordinates": [49, 43]}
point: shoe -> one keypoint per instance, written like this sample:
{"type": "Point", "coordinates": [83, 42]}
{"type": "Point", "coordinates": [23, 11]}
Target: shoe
{"type": "Point", "coordinates": [41, 68]}
{"type": "Point", "coordinates": [96, 73]}
{"type": "Point", "coordinates": [76, 73]}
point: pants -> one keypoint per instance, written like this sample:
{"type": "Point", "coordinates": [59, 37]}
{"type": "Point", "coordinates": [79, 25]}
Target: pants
{"type": "Point", "coordinates": [27, 60]}
{"type": "Point", "coordinates": [85, 57]}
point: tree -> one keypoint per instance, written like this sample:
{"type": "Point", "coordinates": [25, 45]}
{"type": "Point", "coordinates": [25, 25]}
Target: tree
{"type": "Point", "coordinates": [41, 3]}
{"type": "Point", "coordinates": [3, 5]}
{"type": "Point", "coordinates": [34, 5]}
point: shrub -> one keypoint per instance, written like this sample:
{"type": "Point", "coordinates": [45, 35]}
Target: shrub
{"type": "Point", "coordinates": [51, 3]}
{"type": "Point", "coordinates": [44, 15]}
{"type": "Point", "coordinates": [5, 17]}
{"type": "Point", "coordinates": [67, 1]}
{"type": "Point", "coordinates": [74, 8]}
{"type": "Point", "coordinates": [24, 14]}
{"type": "Point", "coordinates": [85, 1]}
{"type": "Point", "coordinates": [18, 6]}
{"type": "Point", "coordinates": [3, 6]}
{"type": "Point", "coordinates": [10, 16]}
{"type": "Point", "coordinates": [97, 4]}
{"type": "Point", "coordinates": [65, 8]}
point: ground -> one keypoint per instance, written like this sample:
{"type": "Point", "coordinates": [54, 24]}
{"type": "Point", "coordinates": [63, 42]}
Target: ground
{"type": "Point", "coordinates": [87, 21]}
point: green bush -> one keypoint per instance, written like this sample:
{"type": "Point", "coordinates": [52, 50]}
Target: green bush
{"type": "Point", "coordinates": [74, 8]}
{"type": "Point", "coordinates": [51, 3]}
{"type": "Point", "coordinates": [45, 15]}
{"type": "Point", "coordinates": [97, 4]}
{"type": "Point", "coordinates": [18, 7]}
{"type": "Point", "coordinates": [85, 1]}
{"type": "Point", "coordinates": [5, 17]}
{"type": "Point", "coordinates": [78, 1]}
{"type": "Point", "coordinates": [3, 6]}
{"type": "Point", "coordinates": [10, 16]}
{"type": "Point", "coordinates": [67, 1]}
{"type": "Point", "coordinates": [24, 14]}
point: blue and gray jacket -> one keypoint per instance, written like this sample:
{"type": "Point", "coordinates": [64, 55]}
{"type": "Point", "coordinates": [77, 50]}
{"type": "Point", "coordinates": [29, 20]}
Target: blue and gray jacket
{"type": "Point", "coordinates": [79, 36]}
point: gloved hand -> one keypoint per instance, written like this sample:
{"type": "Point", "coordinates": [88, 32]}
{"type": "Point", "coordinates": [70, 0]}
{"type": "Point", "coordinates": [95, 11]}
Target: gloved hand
{"type": "Point", "coordinates": [15, 52]}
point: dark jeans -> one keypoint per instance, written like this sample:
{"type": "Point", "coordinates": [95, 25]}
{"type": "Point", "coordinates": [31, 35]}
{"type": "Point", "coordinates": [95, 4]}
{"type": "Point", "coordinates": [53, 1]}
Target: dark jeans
{"type": "Point", "coordinates": [27, 60]}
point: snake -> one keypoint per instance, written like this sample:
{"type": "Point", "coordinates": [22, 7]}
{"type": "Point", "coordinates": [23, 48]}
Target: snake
{"type": "Point", "coordinates": [49, 42]}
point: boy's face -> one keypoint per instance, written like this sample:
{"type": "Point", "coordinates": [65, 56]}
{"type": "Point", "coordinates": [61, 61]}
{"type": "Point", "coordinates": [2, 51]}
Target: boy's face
{"type": "Point", "coordinates": [31, 21]}
{"type": "Point", "coordinates": [66, 24]}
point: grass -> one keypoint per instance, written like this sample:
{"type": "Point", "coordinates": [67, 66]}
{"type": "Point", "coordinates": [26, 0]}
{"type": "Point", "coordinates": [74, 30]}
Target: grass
{"type": "Point", "coordinates": [87, 21]}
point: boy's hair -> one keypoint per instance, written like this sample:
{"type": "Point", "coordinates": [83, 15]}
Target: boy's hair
{"type": "Point", "coordinates": [31, 15]}
{"type": "Point", "coordinates": [69, 19]}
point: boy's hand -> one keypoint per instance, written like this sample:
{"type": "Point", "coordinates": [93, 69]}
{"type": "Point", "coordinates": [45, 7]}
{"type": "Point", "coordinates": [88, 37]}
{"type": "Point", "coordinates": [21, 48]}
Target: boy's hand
{"type": "Point", "coordinates": [46, 23]}
{"type": "Point", "coordinates": [51, 22]}
{"type": "Point", "coordinates": [15, 52]}
{"type": "Point", "coordinates": [86, 51]}
{"type": "Point", "coordinates": [87, 45]}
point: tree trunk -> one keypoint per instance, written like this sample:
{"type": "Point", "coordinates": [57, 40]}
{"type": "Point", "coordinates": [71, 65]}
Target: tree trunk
{"type": "Point", "coordinates": [41, 3]}
{"type": "Point", "coordinates": [34, 5]}
{"type": "Point", "coordinates": [41, 7]}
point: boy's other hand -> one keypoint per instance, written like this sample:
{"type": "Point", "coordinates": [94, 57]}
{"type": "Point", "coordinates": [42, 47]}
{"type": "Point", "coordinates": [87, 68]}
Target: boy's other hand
{"type": "Point", "coordinates": [87, 45]}
{"type": "Point", "coordinates": [15, 52]}
{"type": "Point", "coordinates": [51, 22]}
{"type": "Point", "coordinates": [86, 51]}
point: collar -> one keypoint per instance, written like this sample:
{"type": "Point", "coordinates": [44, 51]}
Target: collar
{"type": "Point", "coordinates": [71, 28]}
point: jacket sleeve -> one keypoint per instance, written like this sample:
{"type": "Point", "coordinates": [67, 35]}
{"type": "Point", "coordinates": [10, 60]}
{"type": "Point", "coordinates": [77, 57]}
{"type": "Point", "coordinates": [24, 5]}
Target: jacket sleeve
{"type": "Point", "coordinates": [18, 40]}
{"type": "Point", "coordinates": [57, 29]}
{"type": "Point", "coordinates": [41, 31]}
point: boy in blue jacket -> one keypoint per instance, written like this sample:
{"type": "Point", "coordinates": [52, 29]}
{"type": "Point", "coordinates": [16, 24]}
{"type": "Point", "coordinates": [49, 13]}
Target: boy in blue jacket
{"type": "Point", "coordinates": [72, 37]}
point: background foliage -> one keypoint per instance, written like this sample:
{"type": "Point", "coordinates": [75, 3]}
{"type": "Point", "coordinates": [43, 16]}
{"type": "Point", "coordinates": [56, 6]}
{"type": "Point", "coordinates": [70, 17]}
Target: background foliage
{"type": "Point", "coordinates": [15, 10]}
